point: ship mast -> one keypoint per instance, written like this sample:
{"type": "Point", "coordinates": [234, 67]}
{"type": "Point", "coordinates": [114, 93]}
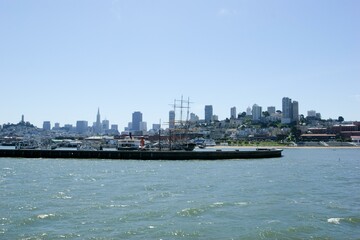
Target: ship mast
{"type": "Point", "coordinates": [182, 105]}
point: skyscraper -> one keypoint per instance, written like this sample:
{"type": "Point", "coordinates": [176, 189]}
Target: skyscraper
{"type": "Point", "coordinates": [271, 110]}
{"type": "Point", "coordinates": [286, 110]}
{"type": "Point", "coordinates": [194, 117]}
{"type": "Point", "coordinates": [233, 113]}
{"type": "Point", "coordinates": [208, 113]}
{"type": "Point", "coordinates": [256, 112]}
{"type": "Point", "coordinates": [136, 120]}
{"type": "Point", "coordinates": [290, 111]}
{"type": "Point", "coordinates": [46, 125]}
{"type": "Point", "coordinates": [171, 119]}
{"type": "Point", "coordinates": [98, 127]}
{"type": "Point", "coordinates": [143, 126]}
{"type": "Point", "coordinates": [81, 126]}
{"type": "Point", "coordinates": [114, 127]}
{"type": "Point", "coordinates": [105, 125]}
{"type": "Point", "coordinates": [295, 111]}
{"type": "Point", "coordinates": [248, 111]}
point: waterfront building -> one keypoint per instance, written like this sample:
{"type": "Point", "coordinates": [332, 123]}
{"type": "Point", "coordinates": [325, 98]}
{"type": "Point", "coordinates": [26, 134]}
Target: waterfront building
{"type": "Point", "coordinates": [81, 126]}
{"type": "Point", "coordinates": [208, 113]}
{"type": "Point", "coordinates": [47, 125]}
{"type": "Point", "coordinates": [171, 119]}
{"type": "Point", "coordinates": [136, 120]}
{"type": "Point", "coordinates": [233, 113]}
{"type": "Point", "coordinates": [256, 112]}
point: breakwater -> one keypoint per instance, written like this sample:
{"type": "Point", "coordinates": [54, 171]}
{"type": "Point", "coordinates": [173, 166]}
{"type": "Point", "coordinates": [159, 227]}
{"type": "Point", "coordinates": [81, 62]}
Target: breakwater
{"type": "Point", "coordinates": [142, 155]}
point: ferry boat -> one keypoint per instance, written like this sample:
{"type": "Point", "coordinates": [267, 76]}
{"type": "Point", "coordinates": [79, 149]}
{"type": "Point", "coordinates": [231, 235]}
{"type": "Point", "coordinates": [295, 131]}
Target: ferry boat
{"type": "Point", "coordinates": [129, 143]}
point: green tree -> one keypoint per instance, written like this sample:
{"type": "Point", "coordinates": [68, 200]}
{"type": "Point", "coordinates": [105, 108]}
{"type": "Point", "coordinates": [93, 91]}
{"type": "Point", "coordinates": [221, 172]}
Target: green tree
{"type": "Point", "coordinates": [266, 114]}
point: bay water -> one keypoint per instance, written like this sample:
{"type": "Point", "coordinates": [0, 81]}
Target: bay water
{"type": "Point", "coordinates": [306, 194]}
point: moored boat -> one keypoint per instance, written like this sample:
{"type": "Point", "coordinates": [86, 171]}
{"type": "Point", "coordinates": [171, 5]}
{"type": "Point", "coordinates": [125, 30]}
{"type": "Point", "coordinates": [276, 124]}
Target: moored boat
{"type": "Point", "coordinates": [129, 143]}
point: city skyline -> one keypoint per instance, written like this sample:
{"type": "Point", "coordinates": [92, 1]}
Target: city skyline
{"type": "Point", "coordinates": [61, 60]}
{"type": "Point", "coordinates": [289, 109]}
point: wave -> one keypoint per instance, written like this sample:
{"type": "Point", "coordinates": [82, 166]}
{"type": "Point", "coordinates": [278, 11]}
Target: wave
{"type": "Point", "coordinates": [352, 220]}
{"type": "Point", "coordinates": [334, 220]}
{"type": "Point", "coordinates": [43, 216]}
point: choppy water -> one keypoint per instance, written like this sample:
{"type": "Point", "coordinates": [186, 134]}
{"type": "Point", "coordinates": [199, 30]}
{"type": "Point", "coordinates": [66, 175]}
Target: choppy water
{"type": "Point", "coordinates": [307, 194]}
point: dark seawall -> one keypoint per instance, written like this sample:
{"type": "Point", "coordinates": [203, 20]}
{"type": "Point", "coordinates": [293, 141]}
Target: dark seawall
{"type": "Point", "coordinates": [141, 155]}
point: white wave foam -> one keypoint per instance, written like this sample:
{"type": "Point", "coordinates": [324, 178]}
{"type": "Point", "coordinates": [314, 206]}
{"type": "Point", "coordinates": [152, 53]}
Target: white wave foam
{"type": "Point", "coordinates": [217, 204]}
{"type": "Point", "coordinates": [43, 216]}
{"type": "Point", "coordinates": [334, 220]}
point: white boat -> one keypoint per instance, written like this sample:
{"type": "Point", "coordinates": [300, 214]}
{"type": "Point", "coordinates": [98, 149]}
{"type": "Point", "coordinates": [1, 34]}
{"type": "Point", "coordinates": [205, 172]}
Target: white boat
{"type": "Point", "coordinates": [26, 145]}
{"type": "Point", "coordinates": [129, 143]}
{"type": "Point", "coordinates": [209, 142]}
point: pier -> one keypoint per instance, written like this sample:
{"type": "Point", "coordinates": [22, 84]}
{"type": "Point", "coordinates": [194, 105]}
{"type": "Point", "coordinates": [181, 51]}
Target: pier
{"type": "Point", "coordinates": [142, 155]}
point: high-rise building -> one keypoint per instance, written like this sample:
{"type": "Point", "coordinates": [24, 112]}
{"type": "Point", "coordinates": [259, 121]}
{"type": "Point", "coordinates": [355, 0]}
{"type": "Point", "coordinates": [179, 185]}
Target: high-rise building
{"type": "Point", "coordinates": [136, 120]}
{"type": "Point", "coordinates": [81, 127]}
{"type": "Point", "coordinates": [286, 110]}
{"type": "Point", "coordinates": [311, 113]}
{"type": "Point", "coordinates": [208, 113]}
{"type": "Point", "coordinates": [97, 125]}
{"type": "Point", "coordinates": [68, 127]}
{"type": "Point", "coordinates": [156, 126]}
{"type": "Point", "coordinates": [171, 119]}
{"type": "Point", "coordinates": [114, 127]}
{"type": "Point", "coordinates": [47, 125]}
{"type": "Point", "coordinates": [290, 111]}
{"type": "Point", "coordinates": [248, 111]}
{"type": "Point", "coordinates": [271, 110]}
{"type": "Point", "coordinates": [143, 126]}
{"type": "Point", "coordinates": [194, 117]}
{"type": "Point", "coordinates": [256, 112]}
{"type": "Point", "coordinates": [295, 111]}
{"type": "Point", "coordinates": [105, 125]}
{"type": "Point", "coordinates": [56, 126]}
{"type": "Point", "coordinates": [233, 113]}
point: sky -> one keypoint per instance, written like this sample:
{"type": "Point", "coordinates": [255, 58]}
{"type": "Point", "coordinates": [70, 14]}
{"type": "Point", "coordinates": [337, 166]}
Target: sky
{"type": "Point", "coordinates": [62, 60]}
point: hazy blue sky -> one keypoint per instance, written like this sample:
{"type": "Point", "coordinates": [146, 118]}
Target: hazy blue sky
{"type": "Point", "coordinates": [61, 60]}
